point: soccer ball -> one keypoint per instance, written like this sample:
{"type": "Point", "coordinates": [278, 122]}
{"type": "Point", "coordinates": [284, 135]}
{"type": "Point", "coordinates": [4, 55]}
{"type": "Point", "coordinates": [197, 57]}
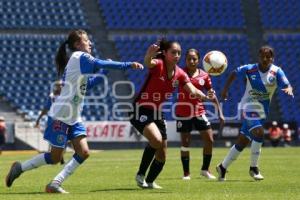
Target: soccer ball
{"type": "Point", "coordinates": [214, 63]}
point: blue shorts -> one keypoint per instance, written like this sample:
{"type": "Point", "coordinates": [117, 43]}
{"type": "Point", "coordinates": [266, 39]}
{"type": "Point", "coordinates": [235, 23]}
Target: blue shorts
{"type": "Point", "coordinates": [249, 124]}
{"type": "Point", "coordinates": [58, 133]}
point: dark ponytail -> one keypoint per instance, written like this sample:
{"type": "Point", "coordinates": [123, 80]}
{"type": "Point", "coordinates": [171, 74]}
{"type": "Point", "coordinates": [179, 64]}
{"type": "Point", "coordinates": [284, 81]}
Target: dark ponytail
{"type": "Point", "coordinates": [61, 58]}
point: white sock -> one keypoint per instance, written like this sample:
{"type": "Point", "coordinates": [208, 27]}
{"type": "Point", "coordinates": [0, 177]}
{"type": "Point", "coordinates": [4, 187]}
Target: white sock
{"type": "Point", "coordinates": [34, 162]}
{"type": "Point", "coordinates": [67, 171]}
{"type": "Point", "coordinates": [230, 157]}
{"type": "Point", "coordinates": [255, 153]}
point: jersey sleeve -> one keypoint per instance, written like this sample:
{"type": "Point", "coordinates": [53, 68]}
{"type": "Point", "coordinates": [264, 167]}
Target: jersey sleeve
{"type": "Point", "coordinates": [91, 65]}
{"type": "Point", "coordinates": [93, 81]}
{"type": "Point", "coordinates": [241, 71]}
{"type": "Point", "coordinates": [48, 103]}
{"type": "Point", "coordinates": [282, 80]}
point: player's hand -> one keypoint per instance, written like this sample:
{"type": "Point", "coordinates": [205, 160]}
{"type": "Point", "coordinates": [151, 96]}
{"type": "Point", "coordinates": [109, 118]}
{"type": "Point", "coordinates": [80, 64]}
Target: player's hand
{"type": "Point", "coordinates": [222, 120]}
{"type": "Point", "coordinates": [153, 50]}
{"type": "Point", "coordinates": [224, 95]}
{"type": "Point", "coordinates": [289, 91]}
{"type": "Point", "coordinates": [37, 124]}
{"type": "Point", "coordinates": [136, 65]}
{"type": "Point", "coordinates": [211, 94]}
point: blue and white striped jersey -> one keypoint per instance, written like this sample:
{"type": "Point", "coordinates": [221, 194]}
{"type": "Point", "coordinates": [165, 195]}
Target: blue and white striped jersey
{"type": "Point", "coordinates": [260, 87]}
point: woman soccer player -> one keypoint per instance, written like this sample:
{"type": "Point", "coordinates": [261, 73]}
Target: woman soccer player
{"type": "Point", "coordinates": [91, 82]}
{"type": "Point", "coordinates": [262, 79]}
{"type": "Point", "coordinates": [147, 118]}
{"type": "Point", "coordinates": [64, 122]}
{"type": "Point", "coordinates": [191, 115]}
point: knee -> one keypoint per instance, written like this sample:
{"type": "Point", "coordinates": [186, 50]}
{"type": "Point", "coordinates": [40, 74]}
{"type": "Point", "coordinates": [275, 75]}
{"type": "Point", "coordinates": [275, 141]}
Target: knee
{"type": "Point", "coordinates": [157, 143]}
{"type": "Point", "coordinates": [185, 143]}
{"type": "Point", "coordinates": [84, 154]}
{"type": "Point", "coordinates": [239, 147]}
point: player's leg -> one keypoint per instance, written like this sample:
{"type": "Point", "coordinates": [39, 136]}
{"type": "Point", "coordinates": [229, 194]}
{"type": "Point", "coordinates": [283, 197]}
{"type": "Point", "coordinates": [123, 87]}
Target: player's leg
{"type": "Point", "coordinates": [153, 133]}
{"type": "Point", "coordinates": [242, 141]}
{"type": "Point", "coordinates": [257, 141]}
{"type": "Point", "coordinates": [157, 166]}
{"type": "Point", "coordinates": [185, 154]}
{"type": "Point", "coordinates": [143, 120]}
{"type": "Point", "coordinates": [207, 137]}
{"type": "Point", "coordinates": [202, 124]}
{"type": "Point", "coordinates": [56, 138]}
{"type": "Point", "coordinates": [18, 168]}
{"type": "Point", "coordinates": [77, 135]}
{"type": "Point", "coordinates": [184, 127]}
{"type": "Point", "coordinates": [81, 154]}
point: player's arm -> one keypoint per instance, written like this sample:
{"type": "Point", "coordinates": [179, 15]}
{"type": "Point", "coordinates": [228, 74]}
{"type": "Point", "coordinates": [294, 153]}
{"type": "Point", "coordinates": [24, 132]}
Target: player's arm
{"type": "Point", "coordinates": [190, 88]}
{"type": "Point", "coordinates": [220, 112]}
{"type": "Point", "coordinates": [91, 65]}
{"type": "Point", "coordinates": [43, 112]}
{"type": "Point", "coordinates": [284, 83]}
{"type": "Point", "coordinates": [230, 79]}
{"type": "Point", "coordinates": [149, 59]}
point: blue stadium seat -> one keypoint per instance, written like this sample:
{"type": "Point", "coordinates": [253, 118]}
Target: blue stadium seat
{"type": "Point", "coordinates": [32, 14]}
{"type": "Point", "coordinates": [176, 14]}
{"type": "Point", "coordinates": [277, 14]}
{"type": "Point", "coordinates": [287, 49]}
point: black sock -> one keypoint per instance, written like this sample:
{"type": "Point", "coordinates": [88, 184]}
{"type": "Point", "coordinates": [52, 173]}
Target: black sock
{"type": "Point", "coordinates": [155, 169]}
{"type": "Point", "coordinates": [206, 162]}
{"type": "Point", "coordinates": [186, 165]}
{"type": "Point", "coordinates": [62, 161]}
{"type": "Point", "coordinates": [148, 156]}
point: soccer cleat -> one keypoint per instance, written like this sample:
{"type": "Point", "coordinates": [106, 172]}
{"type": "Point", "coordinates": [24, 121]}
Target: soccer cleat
{"type": "Point", "coordinates": [221, 172]}
{"type": "Point", "coordinates": [186, 178]}
{"type": "Point", "coordinates": [207, 174]}
{"type": "Point", "coordinates": [255, 174]}
{"type": "Point", "coordinates": [153, 186]}
{"type": "Point", "coordinates": [140, 181]}
{"type": "Point", "coordinates": [14, 172]}
{"type": "Point", "coordinates": [55, 188]}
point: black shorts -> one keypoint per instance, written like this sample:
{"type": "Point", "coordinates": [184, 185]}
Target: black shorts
{"type": "Point", "coordinates": [143, 116]}
{"type": "Point", "coordinates": [199, 123]}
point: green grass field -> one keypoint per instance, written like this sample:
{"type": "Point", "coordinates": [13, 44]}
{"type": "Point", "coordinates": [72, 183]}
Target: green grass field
{"type": "Point", "coordinates": [110, 175]}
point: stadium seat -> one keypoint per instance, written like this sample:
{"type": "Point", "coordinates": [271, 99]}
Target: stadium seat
{"type": "Point", "coordinates": [287, 47]}
{"type": "Point", "coordinates": [176, 14]}
{"type": "Point", "coordinates": [33, 14]}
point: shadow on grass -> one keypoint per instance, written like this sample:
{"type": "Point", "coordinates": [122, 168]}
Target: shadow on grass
{"type": "Point", "coordinates": [116, 189]}
{"type": "Point", "coordinates": [24, 193]}
{"type": "Point", "coordinates": [228, 180]}
{"type": "Point", "coordinates": [131, 189]}
{"type": "Point", "coordinates": [209, 181]}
